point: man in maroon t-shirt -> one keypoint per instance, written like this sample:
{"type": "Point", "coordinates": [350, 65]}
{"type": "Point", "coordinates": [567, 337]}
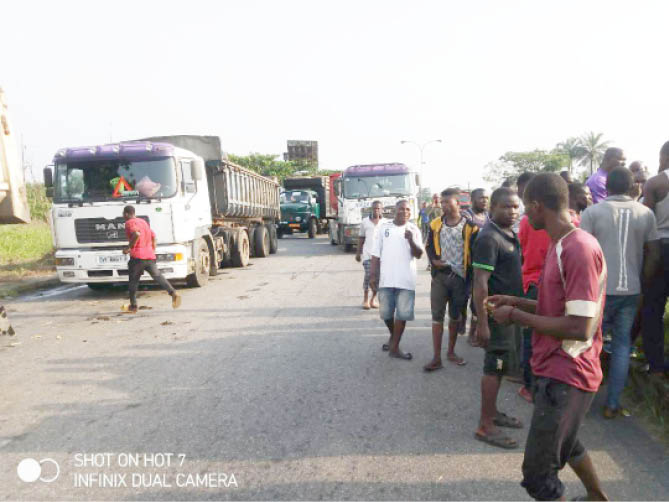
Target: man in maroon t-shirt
{"type": "Point", "coordinates": [142, 247]}
{"type": "Point", "coordinates": [567, 341]}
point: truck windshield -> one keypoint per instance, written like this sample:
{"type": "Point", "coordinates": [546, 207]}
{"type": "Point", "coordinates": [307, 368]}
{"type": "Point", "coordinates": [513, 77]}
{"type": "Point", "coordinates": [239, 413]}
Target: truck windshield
{"type": "Point", "coordinates": [104, 180]}
{"type": "Point", "coordinates": [377, 186]}
{"type": "Point", "coordinates": [295, 196]}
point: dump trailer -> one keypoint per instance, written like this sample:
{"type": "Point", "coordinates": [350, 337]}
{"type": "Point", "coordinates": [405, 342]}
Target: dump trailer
{"type": "Point", "coordinates": [306, 205]}
{"type": "Point", "coordinates": [13, 201]}
{"type": "Point", "coordinates": [206, 211]}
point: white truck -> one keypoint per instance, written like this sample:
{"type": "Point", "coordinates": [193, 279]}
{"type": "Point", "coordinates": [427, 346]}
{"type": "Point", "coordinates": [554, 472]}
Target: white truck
{"type": "Point", "coordinates": [361, 185]}
{"type": "Point", "coordinates": [206, 211]}
{"type": "Point", "coordinates": [13, 202]}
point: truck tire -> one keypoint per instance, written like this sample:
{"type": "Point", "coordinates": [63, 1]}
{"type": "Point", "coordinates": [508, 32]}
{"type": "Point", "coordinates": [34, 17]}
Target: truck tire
{"type": "Point", "coordinates": [262, 241]}
{"type": "Point", "coordinates": [313, 228]}
{"type": "Point", "coordinates": [241, 250]}
{"type": "Point", "coordinates": [202, 259]}
{"type": "Point", "coordinates": [273, 240]}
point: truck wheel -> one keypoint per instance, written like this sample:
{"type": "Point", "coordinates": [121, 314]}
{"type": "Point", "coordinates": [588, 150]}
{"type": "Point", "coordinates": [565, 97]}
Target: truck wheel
{"type": "Point", "coordinates": [313, 228]}
{"type": "Point", "coordinates": [241, 250]}
{"type": "Point", "coordinates": [273, 241]}
{"type": "Point", "coordinates": [202, 265]}
{"type": "Point", "coordinates": [262, 241]}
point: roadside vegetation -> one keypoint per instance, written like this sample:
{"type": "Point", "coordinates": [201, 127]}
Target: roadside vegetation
{"type": "Point", "coordinates": [27, 250]}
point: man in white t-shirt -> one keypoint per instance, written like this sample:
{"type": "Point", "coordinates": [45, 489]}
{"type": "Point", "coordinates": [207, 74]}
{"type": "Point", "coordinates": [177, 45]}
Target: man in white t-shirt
{"type": "Point", "coordinates": [366, 241]}
{"type": "Point", "coordinates": [393, 269]}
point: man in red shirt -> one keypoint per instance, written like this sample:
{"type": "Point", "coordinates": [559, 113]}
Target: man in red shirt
{"type": "Point", "coordinates": [566, 344]}
{"type": "Point", "coordinates": [142, 247]}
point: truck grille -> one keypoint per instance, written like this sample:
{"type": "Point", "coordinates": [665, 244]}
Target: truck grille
{"type": "Point", "coordinates": [90, 230]}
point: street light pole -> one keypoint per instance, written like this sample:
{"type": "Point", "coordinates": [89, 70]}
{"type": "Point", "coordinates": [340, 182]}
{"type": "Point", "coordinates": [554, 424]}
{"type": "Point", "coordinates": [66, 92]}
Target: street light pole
{"type": "Point", "coordinates": [421, 148]}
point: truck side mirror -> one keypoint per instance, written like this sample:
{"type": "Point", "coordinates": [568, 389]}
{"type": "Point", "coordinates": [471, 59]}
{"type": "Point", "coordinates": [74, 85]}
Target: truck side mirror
{"type": "Point", "coordinates": [48, 177]}
{"type": "Point", "coordinates": [196, 169]}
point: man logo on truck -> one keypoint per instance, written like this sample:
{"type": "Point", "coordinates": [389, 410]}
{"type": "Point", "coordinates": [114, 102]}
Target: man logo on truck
{"type": "Point", "coordinates": [110, 226]}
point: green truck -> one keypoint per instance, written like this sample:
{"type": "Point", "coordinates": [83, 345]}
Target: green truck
{"type": "Point", "coordinates": [305, 206]}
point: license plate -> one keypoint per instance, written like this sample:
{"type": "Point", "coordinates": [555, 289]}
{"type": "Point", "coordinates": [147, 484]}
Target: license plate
{"type": "Point", "coordinates": [294, 225]}
{"type": "Point", "coordinates": [112, 259]}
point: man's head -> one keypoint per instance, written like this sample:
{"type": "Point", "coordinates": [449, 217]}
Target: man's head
{"type": "Point", "coordinates": [566, 175]}
{"type": "Point", "coordinates": [664, 157]}
{"type": "Point", "coordinates": [504, 207]}
{"type": "Point", "coordinates": [435, 199]}
{"type": "Point", "coordinates": [480, 200]}
{"type": "Point", "coordinates": [522, 182]}
{"type": "Point", "coordinates": [424, 205]}
{"type": "Point", "coordinates": [377, 209]}
{"type": "Point", "coordinates": [128, 212]}
{"type": "Point", "coordinates": [402, 212]}
{"type": "Point", "coordinates": [619, 181]}
{"type": "Point", "coordinates": [508, 183]}
{"type": "Point", "coordinates": [636, 166]}
{"type": "Point", "coordinates": [545, 197]}
{"type": "Point", "coordinates": [613, 157]}
{"type": "Point", "coordinates": [450, 203]}
{"type": "Point", "coordinates": [580, 197]}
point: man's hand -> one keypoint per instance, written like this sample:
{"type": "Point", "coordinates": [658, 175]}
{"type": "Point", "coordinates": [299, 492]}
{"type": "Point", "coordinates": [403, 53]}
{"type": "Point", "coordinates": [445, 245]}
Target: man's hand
{"type": "Point", "coordinates": [438, 263]}
{"type": "Point", "coordinates": [502, 315]}
{"type": "Point", "coordinates": [495, 301]}
{"type": "Point", "coordinates": [126, 250]}
{"type": "Point", "coordinates": [482, 334]}
{"type": "Point", "coordinates": [357, 257]}
{"type": "Point", "coordinates": [408, 235]}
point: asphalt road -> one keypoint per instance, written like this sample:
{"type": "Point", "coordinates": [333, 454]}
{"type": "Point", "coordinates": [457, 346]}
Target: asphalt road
{"type": "Point", "coordinates": [269, 384]}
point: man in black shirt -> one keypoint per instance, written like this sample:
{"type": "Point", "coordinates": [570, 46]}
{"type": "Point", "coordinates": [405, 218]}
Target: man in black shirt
{"type": "Point", "coordinates": [497, 270]}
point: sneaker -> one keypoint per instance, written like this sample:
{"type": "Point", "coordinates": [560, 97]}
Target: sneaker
{"type": "Point", "coordinates": [176, 301]}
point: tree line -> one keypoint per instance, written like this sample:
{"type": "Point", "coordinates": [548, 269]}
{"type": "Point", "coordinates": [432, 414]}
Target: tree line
{"type": "Point", "coordinates": [271, 165]}
{"type": "Point", "coordinates": [585, 151]}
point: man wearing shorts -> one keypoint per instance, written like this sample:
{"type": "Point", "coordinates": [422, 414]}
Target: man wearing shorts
{"type": "Point", "coordinates": [449, 250]}
{"type": "Point", "coordinates": [497, 270]}
{"type": "Point", "coordinates": [566, 344]}
{"type": "Point", "coordinates": [398, 244]}
{"type": "Point", "coordinates": [366, 242]}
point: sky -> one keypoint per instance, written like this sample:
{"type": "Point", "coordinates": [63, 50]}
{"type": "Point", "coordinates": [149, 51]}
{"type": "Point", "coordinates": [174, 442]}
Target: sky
{"type": "Point", "coordinates": [485, 77]}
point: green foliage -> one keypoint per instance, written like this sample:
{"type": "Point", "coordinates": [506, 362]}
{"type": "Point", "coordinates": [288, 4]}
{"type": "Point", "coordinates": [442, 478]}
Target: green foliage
{"type": "Point", "coordinates": [25, 249]}
{"type": "Point", "coordinates": [594, 147]}
{"type": "Point", "coordinates": [572, 148]}
{"type": "Point", "coordinates": [38, 202]}
{"type": "Point", "coordinates": [512, 164]}
{"type": "Point", "coordinates": [270, 165]}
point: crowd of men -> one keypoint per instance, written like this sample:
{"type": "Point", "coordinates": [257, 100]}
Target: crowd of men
{"type": "Point", "coordinates": [546, 268]}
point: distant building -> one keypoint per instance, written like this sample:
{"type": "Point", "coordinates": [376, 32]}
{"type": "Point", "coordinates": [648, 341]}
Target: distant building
{"type": "Point", "coordinates": [302, 150]}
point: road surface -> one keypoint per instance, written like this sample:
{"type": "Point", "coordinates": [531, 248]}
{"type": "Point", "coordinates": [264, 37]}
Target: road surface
{"type": "Point", "coordinates": [269, 383]}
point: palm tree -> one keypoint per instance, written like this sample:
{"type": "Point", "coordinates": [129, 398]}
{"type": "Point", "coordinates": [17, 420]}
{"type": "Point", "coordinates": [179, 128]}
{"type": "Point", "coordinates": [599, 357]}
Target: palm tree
{"type": "Point", "coordinates": [573, 149]}
{"type": "Point", "coordinates": [594, 147]}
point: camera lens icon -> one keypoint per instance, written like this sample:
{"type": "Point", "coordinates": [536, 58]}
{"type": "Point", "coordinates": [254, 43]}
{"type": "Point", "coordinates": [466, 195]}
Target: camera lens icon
{"type": "Point", "coordinates": [29, 470]}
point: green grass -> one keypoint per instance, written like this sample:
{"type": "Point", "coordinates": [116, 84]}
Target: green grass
{"type": "Point", "coordinates": [25, 250]}
{"type": "Point", "coordinates": [38, 202]}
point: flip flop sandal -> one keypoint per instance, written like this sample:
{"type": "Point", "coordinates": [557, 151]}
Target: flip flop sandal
{"type": "Point", "coordinates": [405, 355]}
{"type": "Point", "coordinates": [458, 361]}
{"type": "Point", "coordinates": [500, 440]}
{"type": "Point", "coordinates": [428, 368]}
{"type": "Point", "coordinates": [504, 420]}
{"type": "Point", "coordinates": [385, 347]}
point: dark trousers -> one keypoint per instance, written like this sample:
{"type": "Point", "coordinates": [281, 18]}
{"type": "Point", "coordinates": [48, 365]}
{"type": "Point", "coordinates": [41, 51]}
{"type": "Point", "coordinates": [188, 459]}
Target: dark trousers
{"type": "Point", "coordinates": [532, 293]}
{"type": "Point", "coordinates": [652, 323]}
{"type": "Point", "coordinates": [136, 268]}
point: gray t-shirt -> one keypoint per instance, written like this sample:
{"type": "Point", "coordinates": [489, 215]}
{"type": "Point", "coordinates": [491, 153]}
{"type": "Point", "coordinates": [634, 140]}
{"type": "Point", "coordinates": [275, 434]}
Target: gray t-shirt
{"type": "Point", "coordinates": [453, 246]}
{"type": "Point", "coordinates": [622, 226]}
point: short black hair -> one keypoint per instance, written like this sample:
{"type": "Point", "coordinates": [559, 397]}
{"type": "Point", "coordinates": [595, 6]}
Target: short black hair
{"type": "Point", "coordinates": [450, 192]}
{"type": "Point", "coordinates": [576, 189]}
{"type": "Point", "coordinates": [500, 194]}
{"type": "Point", "coordinates": [524, 178]}
{"type": "Point", "coordinates": [508, 183]}
{"type": "Point", "coordinates": [665, 149]}
{"type": "Point", "coordinates": [377, 202]}
{"type": "Point", "coordinates": [549, 189]}
{"type": "Point", "coordinates": [475, 193]}
{"type": "Point", "coordinates": [129, 210]}
{"type": "Point", "coordinates": [397, 204]}
{"type": "Point", "coordinates": [619, 181]}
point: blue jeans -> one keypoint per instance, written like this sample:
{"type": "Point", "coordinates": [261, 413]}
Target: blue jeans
{"type": "Point", "coordinates": [619, 314]}
{"type": "Point", "coordinates": [396, 303]}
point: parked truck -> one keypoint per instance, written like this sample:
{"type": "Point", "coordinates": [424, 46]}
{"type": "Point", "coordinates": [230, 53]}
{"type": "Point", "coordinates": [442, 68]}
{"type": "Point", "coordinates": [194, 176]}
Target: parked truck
{"type": "Point", "coordinates": [13, 201]}
{"type": "Point", "coordinates": [306, 205]}
{"type": "Point", "coordinates": [206, 211]}
{"type": "Point", "coordinates": [359, 186]}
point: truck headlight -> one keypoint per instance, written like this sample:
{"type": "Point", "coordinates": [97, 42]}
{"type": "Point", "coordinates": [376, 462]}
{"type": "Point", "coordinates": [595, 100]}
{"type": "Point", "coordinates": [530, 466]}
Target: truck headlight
{"type": "Point", "coordinates": [64, 262]}
{"type": "Point", "coordinates": [170, 257]}
{"type": "Point", "coordinates": [298, 219]}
